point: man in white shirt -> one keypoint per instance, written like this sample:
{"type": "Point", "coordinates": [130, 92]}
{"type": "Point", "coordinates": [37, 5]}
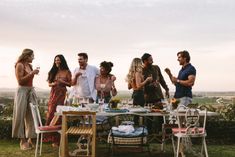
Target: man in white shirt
{"type": "Point", "coordinates": [84, 78]}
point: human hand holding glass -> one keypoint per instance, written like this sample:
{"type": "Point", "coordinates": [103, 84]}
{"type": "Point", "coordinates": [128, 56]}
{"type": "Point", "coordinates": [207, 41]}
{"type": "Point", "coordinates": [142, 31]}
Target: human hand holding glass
{"type": "Point", "coordinates": [37, 69]}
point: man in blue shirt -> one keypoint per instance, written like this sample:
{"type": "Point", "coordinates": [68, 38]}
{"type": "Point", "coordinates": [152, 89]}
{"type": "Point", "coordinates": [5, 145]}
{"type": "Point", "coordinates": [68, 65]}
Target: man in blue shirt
{"type": "Point", "coordinates": [185, 79]}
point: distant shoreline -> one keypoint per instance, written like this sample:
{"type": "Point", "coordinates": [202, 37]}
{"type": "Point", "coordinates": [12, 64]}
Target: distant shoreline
{"type": "Point", "coordinates": [47, 90]}
{"type": "Point", "coordinates": [227, 94]}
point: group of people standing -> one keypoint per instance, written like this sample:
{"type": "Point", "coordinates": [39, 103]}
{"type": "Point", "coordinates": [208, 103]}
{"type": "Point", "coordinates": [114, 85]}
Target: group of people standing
{"type": "Point", "coordinates": [93, 84]}
{"type": "Point", "coordinates": [146, 80]}
{"type": "Point", "coordinates": [89, 82]}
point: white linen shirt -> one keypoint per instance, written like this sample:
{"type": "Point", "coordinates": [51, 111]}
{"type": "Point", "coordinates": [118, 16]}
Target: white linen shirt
{"type": "Point", "coordinates": [85, 85]}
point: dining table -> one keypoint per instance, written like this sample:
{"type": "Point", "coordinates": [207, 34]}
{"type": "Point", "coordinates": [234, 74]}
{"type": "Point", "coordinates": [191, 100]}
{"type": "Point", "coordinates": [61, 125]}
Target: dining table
{"type": "Point", "coordinates": [104, 110]}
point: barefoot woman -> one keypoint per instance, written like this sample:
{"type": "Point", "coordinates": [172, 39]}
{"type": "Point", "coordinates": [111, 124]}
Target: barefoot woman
{"type": "Point", "coordinates": [22, 123]}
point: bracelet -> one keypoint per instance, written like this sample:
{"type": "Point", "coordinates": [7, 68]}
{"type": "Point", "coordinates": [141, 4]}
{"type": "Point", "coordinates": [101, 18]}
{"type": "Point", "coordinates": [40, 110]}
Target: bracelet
{"type": "Point", "coordinates": [178, 81]}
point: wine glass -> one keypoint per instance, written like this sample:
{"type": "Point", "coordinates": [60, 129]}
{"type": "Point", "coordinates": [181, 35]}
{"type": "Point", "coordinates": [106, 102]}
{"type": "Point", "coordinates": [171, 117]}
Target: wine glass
{"type": "Point", "coordinates": [37, 66]}
{"type": "Point", "coordinates": [101, 104]}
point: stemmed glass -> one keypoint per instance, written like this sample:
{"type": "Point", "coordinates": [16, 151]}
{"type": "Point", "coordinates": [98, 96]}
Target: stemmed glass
{"type": "Point", "coordinates": [130, 103]}
{"type": "Point", "coordinates": [101, 104]}
{"type": "Point", "coordinates": [102, 86]}
{"type": "Point", "coordinates": [37, 66]}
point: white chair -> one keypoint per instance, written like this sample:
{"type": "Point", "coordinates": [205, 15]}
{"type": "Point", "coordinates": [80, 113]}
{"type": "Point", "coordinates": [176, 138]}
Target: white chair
{"type": "Point", "coordinates": [39, 128]}
{"type": "Point", "coordinates": [189, 127]}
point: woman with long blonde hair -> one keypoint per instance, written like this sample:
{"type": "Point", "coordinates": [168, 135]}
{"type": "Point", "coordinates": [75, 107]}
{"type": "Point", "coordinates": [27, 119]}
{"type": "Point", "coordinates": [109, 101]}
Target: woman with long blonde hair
{"type": "Point", "coordinates": [136, 81]}
{"type": "Point", "coordinates": [22, 122]}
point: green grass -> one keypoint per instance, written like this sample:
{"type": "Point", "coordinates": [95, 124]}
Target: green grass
{"type": "Point", "coordinates": [10, 148]}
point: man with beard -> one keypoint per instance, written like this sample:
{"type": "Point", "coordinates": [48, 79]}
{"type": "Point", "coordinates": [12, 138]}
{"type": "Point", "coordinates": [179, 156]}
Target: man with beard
{"type": "Point", "coordinates": [84, 78]}
{"type": "Point", "coordinates": [185, 79]}
{"type": "Point", "coordinates": [152, 90]}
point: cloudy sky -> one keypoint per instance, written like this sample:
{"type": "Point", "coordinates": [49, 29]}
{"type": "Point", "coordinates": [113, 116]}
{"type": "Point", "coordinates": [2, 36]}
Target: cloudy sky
{"type": "Point", "coordinates": [118, 31]}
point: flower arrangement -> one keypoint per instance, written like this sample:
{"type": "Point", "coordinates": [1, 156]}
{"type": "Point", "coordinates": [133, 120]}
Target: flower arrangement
{"type": "Point", "coordinates": [175, 103]}
{"type": "Point", "coordinates": [115, 100]}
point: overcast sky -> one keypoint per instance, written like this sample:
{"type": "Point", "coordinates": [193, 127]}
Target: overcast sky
{"type": "Point", "coordinates": [118, 31]}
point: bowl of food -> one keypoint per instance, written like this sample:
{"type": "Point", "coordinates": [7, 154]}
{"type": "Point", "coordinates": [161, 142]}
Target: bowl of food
{"type": "Point", "coordinates": [93, 106]}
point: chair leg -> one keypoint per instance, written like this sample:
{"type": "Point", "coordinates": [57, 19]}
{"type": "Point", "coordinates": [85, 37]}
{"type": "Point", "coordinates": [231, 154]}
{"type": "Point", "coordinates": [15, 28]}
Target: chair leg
{"type": "Point", "coordinates": [109, 148]}
{"type": "Point", "coordinates": [205, 147]}
{"type": "Point", "coordinates": [202, 148]}
{"type": "Point", "coordinates": [112, 149]}
{"type": "Point", "coordinates": [149, 152]}
{"type": "Point", "coordinates": [41, 144]}
{"type": "Point", "coordinates": [88, 145]}
{"type": "Point", "coordinates": [173, 145]}
{"type": "Point", "coordinates": [163, 144]}
{"type": "Point", "coordinates": [163, 139]}
{"type": "Point", "coordinates": [178, 147]}
{"type": "Point", "coordinates": [36, 149]}
{"type": "Point", "coordinates": [60, 145]}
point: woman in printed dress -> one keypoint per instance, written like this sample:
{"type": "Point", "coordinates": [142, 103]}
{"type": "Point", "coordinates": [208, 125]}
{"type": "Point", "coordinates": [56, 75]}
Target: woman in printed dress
{"type": "Point", "coordinates": [58, 78]}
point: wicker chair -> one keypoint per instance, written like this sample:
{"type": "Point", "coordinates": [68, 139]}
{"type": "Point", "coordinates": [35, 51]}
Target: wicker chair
{"type": "Point", "coordinates": [136, 138]}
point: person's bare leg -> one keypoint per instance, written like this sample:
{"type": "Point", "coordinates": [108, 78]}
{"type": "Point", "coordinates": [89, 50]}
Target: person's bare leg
{"type": "Point", "coordinates": [31, 142]}
{"type": "Point", "coordinates": [24, 145]}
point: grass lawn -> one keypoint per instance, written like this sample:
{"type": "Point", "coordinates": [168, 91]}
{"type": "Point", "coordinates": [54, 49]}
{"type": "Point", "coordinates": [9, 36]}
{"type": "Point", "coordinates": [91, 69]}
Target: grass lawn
{"type": "Point", "coordinates": [10, 148]}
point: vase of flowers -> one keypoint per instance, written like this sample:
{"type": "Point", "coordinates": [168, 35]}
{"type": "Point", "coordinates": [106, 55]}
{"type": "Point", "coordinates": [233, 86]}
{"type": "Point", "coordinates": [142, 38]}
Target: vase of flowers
{"type": "Point", "coordinates": [114, 102]}
{"type": "Point", "coordinates": [175, 102]}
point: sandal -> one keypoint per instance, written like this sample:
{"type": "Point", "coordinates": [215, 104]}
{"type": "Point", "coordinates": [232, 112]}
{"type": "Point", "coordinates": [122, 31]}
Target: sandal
{"type": "Point", "coordinates": [55, 145]}
{"type": "Point", "coordinates": [31, 144]}
{"type": "Point", "coordinates": [25, 146]}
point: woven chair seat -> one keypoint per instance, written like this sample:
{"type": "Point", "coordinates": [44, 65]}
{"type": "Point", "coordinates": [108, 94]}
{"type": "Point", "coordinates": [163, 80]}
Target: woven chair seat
{"type": "Point", "coordinates": [127, 141]}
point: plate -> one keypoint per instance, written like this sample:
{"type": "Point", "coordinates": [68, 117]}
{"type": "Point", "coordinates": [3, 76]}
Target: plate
{"type": "Point", "coordinates": [156, 110]}
{"type": "Point", "coordinates": [138, 110]}
{"type": "Point", "coordinates": [117, 110]}
{"type": "Point", "coordinates": [181, 111]}
{"type": "Point", "coordinates": [165, 112]}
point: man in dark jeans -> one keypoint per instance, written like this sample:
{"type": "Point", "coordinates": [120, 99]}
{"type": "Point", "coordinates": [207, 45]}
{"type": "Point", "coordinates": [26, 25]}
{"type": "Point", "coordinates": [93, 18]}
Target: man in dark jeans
{"type": "Point", "coordinates": [152, 90]}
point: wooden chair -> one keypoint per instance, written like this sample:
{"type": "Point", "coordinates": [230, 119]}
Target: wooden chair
{"type": "Point", "coordinates": [189, 127]}
{"type": "Point", "coordinates": [39, 128]}
{"type": "Point", "coordinates": [136, 139]}
{"type": "Point", "coordinates": [86, 129]}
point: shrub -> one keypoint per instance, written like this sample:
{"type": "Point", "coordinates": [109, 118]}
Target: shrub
{"type": "Point", "coordinates": [5, 129]}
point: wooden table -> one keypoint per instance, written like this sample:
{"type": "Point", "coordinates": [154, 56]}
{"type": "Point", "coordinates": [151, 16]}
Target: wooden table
{"type": "Point", "coordinates": [144, 114]}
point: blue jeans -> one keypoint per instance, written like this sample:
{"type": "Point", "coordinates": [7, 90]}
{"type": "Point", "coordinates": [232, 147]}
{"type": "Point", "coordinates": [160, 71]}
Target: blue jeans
{"type": "Point", "coordinates": [185, 101]}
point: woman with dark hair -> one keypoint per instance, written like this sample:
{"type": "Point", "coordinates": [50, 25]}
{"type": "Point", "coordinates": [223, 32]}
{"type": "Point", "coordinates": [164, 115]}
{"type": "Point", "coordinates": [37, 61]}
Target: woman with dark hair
{"type": "Point", "coordinates": [22, 121]}
{"type": "Point", "coordinates": [104, 82]}
{"type": "Point", "coordinates": [58, 78]}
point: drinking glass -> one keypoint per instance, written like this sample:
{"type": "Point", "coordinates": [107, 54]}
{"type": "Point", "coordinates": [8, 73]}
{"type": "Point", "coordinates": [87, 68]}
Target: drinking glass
{"type": "Point", "coordinates": [101, 104]}
{"type": "Point", "coordinates": [37, 66]}
{"type": "Point", "coordinates": [130, 103]}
